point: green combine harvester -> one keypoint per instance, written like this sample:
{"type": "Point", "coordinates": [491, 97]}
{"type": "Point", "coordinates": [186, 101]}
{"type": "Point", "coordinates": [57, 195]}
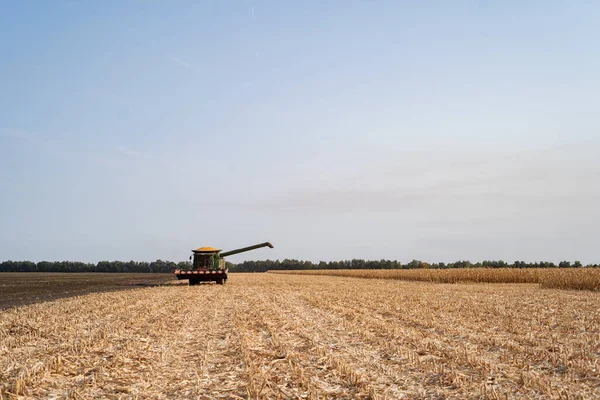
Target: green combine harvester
{"type": "Point", "coordinates": [209, 265]}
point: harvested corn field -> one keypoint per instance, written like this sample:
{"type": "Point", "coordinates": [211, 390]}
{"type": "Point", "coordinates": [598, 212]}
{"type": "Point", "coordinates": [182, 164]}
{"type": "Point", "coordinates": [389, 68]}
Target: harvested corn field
{"type": "Point", "coordinates": [18, 289]}
{"type": "Point", "coordinates": [299, 336]}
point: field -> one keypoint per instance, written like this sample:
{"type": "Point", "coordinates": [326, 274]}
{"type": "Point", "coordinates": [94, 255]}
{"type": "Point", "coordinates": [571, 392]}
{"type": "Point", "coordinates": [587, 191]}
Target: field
{"type": "Point", "coordinates": [567, 278]}
{"type": "Point", "coordinates": [290, 336]}
{"type": "Point", "coordinates": [26, 288]}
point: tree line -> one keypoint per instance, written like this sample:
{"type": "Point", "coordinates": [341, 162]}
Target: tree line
{"type": "Point", "coordinates": [160, 266]}
{"type": "Point", "coordinates": [261, 266]}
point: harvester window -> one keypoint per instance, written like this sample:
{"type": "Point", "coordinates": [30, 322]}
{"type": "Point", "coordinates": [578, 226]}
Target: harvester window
{"type": "Point", "coordinates": [202, 261]}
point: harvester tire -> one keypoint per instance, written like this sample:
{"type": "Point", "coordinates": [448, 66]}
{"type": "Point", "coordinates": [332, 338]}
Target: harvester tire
{"type": "Point", "coordinates": [194, 282]}
{"type": "Point", "coordinates": [220, 281]}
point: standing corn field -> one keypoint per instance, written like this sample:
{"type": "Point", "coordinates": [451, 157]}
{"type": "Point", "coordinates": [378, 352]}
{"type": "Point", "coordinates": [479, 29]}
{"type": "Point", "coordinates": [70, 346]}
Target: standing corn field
{"type": "Point", "coordinates": [568, 278]}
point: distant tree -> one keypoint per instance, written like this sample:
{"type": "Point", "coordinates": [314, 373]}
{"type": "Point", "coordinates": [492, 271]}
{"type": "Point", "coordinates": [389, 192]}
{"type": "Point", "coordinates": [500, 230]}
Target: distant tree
{"type": "Point", "coordinates": [564, 264]}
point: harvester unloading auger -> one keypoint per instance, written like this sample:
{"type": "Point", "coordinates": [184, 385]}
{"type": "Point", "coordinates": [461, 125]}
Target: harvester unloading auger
{"type": "Point", "coordinates": [209, 264]}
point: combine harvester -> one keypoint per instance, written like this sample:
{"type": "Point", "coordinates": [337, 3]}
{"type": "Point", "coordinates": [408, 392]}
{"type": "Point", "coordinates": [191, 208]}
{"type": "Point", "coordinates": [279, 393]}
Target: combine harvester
{"type": "Point", "coordinates": [209, 264]}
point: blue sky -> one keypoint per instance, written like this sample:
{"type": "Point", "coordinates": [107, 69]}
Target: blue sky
{"type": "Point", "coordinates": [337, 130]}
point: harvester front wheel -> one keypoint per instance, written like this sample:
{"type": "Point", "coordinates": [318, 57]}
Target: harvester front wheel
{"type": "Point", "coordinates": [194, 282]}
{"type": "Point", "coordinates": [220, 281]}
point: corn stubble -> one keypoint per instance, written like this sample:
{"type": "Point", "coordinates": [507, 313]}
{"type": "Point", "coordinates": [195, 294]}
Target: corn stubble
{"type": "Point", "coordinates": [268, 336]}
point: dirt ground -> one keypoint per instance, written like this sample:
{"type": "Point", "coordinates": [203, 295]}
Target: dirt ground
{"type": "Point", "coordinates": [269, 336]}
{"type": "Point", "coordinates": [18, 289]}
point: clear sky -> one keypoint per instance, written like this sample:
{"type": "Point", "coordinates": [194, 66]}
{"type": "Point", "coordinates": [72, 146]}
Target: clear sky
{"type": "Point", "coordinates": [435, 130]}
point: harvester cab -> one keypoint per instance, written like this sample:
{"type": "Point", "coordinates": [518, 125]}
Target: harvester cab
{"type": "Point", "coordinates": [208, 264]}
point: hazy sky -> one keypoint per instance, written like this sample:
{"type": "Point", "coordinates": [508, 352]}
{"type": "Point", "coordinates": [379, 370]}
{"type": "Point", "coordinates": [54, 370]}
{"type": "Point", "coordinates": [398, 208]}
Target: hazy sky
{"type": "Point", "coordinates": [435, 130]}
